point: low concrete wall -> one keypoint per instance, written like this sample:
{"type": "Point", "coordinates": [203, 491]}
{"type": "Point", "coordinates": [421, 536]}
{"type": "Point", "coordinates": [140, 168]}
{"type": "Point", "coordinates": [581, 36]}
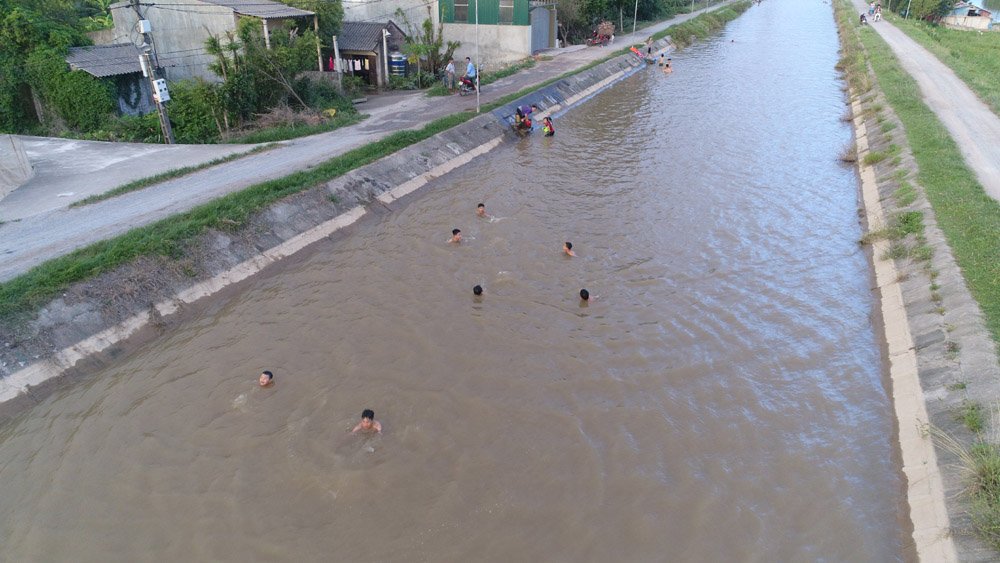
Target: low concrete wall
{"type": "Point", "coordinates": [966, 22]}
{"type": "Point", "coordinates": [98, 315]}
{"type": "Point", "coordinates": [498, 44]}
{"type": "Point", "coordinates": [15, 168]}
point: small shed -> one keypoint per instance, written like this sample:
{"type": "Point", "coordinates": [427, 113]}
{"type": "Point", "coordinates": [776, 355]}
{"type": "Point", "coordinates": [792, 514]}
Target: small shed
{"type": "Point", "coordinates": [362, 51]}
{"type": "Point", "coordinates": [119, 65]}
{"type": "Point", "coordinates": [966, 15]}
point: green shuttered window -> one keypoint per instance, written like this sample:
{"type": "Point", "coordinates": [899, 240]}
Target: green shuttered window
{"type": "Point", "coordinates": [491, 12]}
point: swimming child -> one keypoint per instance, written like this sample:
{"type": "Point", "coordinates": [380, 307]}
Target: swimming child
{"type": "Point", "coordinates": [547, 127]}
{"type": "Point", "coordinates": [266, 378]}
{"type": "Point", "coordinates": [477, 290]}
{"type": "Point", "coordinates": [667, 69]}
{"type": "Point", "coordinates": [368, 423]}
{"type": "Point", "coordinates": [481, 210]}
{"type": "Point", "coordinates": [568, 249]}
{"type": "Point", "coordinates": [456, 236]}
{"type": "Point", "coordinates": [586, 297]}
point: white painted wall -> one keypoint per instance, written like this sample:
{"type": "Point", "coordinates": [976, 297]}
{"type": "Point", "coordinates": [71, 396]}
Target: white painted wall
{"type": "Point", "coordinates": [385, 10]}
{"type": "Point", "coordinates": [966, 22]}
{"type": "Point", "coordinates": [179, 34]}
{"type": "Point", "coordinates": [498, 44]}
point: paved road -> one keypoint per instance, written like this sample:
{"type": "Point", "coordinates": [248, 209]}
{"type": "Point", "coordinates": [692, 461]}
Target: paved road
{"type": "Point", "coordinates": [975, 128]}
{"type": "Point", "coordinates": [68, 170]}
{"type": "Point", "coordinates": [34, 239]}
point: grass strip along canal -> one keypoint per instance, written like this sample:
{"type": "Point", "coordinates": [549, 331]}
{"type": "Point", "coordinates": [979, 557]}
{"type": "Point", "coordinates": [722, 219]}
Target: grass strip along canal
{"type": "Point", "coordinates": [969, 221]}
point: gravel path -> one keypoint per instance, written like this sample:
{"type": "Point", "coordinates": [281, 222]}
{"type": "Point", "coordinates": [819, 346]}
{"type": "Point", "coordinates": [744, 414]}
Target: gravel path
{"type": "Point", "coordinates": [975, 128]}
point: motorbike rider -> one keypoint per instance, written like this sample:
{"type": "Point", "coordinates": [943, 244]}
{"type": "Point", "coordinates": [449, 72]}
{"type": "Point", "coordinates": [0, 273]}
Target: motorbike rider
{"type": "Point", "coordinates": [470, 73]}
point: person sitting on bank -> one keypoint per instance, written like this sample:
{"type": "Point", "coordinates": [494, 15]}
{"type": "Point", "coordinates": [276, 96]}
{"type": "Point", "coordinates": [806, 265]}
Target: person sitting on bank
{"type": "Point", "coordinates": [368, 423]}
{"type": "Point", "coordinates": [522, 113]}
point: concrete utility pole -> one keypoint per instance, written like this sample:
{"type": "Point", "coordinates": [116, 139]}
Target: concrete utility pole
{"type": "Point", "coordinates": [479, 68]}
{"type": "Point", "coordinates": [152, 71]}
{"type": "Point", "coordinates": [161, 109]}
{"type": "Point", "coordinates": [635, 15]}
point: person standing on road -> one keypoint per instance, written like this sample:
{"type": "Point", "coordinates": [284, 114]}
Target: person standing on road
{"type": "Point", "coordinates": [449, 75]}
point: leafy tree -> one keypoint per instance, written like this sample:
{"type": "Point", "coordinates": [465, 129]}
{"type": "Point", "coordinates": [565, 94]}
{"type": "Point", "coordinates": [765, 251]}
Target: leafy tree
{"type": "Point", "coordinates": [578, 18]}
{"type": "Point", "coordinates": [82, 102]}
{"type": "Point", "coordinates": [924, 9]}
{"type": "Point", "coordinates": [330, 15]}
{"type": "Point", "coordinates": [195, 111]}
{"type": "Point", "coordinates": [256, 78]}
{"type": "Point", "coordinates": [423, 43]}
{"type": "Point", "coordinates": [25, 27]}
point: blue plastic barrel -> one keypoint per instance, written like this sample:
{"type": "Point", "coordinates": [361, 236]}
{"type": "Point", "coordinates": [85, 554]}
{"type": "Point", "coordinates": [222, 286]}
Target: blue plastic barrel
{"type": "Point", "coordinates": [397, 64]}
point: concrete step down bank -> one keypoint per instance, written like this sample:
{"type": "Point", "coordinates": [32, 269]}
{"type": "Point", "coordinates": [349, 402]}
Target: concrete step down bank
{"type": "Point", "coordinates": [94, 318]}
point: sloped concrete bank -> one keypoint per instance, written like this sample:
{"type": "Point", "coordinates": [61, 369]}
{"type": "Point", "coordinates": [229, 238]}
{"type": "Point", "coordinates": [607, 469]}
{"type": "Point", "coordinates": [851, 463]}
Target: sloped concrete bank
{"type": "Point", "coordinates": [940, 354]}
{"type": "Point", "coordinates": [94, 320]}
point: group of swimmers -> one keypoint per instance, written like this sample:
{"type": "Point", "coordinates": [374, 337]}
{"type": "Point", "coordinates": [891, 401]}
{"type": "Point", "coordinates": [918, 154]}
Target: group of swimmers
{"type": "Point", "coordinates": [666, 64]}
{"type": "Point", "coordinates": [477, 290]}
{"type": "Point", "coordinates": [367, 425]}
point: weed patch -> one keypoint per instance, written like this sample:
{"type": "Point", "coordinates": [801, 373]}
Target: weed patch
{"type": "Point", "coordinates": [971, 415]}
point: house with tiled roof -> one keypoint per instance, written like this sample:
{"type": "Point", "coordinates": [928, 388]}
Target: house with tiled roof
{"type": "Point", "coordinates": [179, 29]}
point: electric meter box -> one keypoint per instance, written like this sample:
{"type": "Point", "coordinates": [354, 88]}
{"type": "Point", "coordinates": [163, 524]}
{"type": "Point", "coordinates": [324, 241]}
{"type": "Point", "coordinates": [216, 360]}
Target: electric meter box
{"type": "Point", "coordinates": [144, 26]}
{"type": "Point", "coordinates": [160, 90]}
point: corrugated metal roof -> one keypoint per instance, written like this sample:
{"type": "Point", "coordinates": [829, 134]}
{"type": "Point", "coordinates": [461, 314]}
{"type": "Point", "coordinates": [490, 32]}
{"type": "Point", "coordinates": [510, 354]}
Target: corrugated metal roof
{"type": "Point", "coordinates": [105, 60]}
{"type": "Point", "coordinates": [360, 36]}
{"type": "Point", "coordinates": [264, 9]}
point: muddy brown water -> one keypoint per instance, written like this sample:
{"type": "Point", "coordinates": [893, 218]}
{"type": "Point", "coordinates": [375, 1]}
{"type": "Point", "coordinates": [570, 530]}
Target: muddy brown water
{"type": "Point", "coordinates": [722, 400]}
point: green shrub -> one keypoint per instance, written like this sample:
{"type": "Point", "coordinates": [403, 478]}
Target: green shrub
{"type": "Point", "coordinates": [130, 128]}
{"type": "Point", "coordinates": [83, 102]}
{"type": "Point", "coordinates": [322, 94]}
{"type": "Point", "coordinates": [192, 111]}
{"type": "Point", "coordinates": [354, 86]}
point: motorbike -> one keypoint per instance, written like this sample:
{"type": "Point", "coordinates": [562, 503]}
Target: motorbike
{"type": "Point", "coordinates": [466, 86]}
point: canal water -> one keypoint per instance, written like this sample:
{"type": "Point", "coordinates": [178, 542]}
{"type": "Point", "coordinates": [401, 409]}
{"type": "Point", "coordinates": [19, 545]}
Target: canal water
{"type": "Point", "coordinates": [720, 400]}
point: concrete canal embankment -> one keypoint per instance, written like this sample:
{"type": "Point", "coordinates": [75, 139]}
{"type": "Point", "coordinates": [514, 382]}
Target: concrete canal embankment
{"type": "Point", "coordinates": [940, 357]}
{"type": "Point", "coordinates": [94, 319]}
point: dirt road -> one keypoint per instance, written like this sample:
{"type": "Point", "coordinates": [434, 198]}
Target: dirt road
{"type": "Point", "coordinates": [974, 127]}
